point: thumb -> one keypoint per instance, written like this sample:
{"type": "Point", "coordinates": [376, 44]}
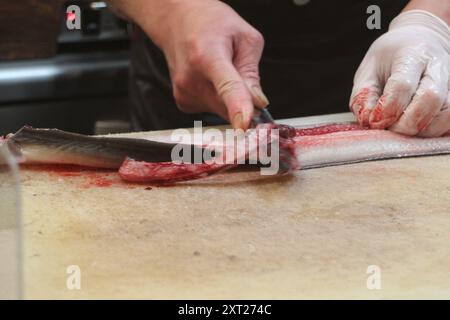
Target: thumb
{"type": "Point", "coordinates": [234, 93]}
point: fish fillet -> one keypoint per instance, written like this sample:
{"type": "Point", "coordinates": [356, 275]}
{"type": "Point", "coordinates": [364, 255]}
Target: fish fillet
{"type": "Point", "coordinates": [314, 147]}
{"type": "Point", "coordinates": [170, 172]}
{"type": "Point", "coordinates": [349, 143]}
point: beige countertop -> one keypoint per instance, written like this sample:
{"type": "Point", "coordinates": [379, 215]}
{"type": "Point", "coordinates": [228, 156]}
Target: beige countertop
{"type": "Point", "coordinates": [313, 234]}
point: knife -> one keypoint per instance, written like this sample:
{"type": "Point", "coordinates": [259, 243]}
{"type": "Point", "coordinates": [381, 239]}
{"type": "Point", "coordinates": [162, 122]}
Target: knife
{"type": "Point", "coordinates": [262, 116]}
{"type": "Point", "coordinates": [286, 161]}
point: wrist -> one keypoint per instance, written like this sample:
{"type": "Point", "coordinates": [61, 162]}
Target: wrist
{"type": "Point", "coordinates": [426, 20]}
{"type": "Point", "coordinates": [152, 16]}
{"type": "Point", "coordinates": [159, 18]}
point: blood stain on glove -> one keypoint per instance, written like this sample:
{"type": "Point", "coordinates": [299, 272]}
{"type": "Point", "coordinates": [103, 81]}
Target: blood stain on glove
{"type": "Point", "coordinates": [384, 114]}
{"type": "Point", "coordinates": [359, 105]}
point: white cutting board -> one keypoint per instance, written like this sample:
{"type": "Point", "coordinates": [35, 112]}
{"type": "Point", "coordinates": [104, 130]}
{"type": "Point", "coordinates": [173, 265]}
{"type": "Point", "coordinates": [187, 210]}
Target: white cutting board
{"type": "Point", "coordinates": [310, 235]}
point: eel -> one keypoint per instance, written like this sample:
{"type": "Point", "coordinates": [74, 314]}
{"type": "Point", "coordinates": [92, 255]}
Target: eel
{"type": "Point", "coordinates": [141, 160]}
{"type": "Point", "coordinates": [53, 146]}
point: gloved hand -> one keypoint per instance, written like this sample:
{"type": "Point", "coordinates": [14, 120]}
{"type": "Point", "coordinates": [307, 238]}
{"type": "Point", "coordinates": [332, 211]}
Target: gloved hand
{"type": "Point", "coordinates": [403, 82]}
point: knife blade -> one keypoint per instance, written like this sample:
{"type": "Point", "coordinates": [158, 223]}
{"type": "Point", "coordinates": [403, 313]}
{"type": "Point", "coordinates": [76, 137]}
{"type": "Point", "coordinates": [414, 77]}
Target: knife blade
{"type": "Point", "coordinates": [286, 161]}
{"type": "Point", "coordinates": [262, 116]}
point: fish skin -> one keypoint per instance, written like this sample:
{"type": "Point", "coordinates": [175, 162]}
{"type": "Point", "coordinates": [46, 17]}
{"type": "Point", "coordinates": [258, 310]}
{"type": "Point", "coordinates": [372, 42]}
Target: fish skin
{"type": "Point", "coordinates": [55, 146]}
{"type": "Point", "coordinates": [353, 145]}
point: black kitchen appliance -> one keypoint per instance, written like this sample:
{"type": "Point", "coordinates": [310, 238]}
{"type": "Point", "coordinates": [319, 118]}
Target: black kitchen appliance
{"type": "Point", "coordinates": [84, 83]}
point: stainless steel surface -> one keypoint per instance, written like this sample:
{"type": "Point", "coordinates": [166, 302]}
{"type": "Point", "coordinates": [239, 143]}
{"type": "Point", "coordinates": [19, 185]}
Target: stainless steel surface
{"type": "Point", "coordinates": [70, 91]}
{"type": "Point", "coordinates": [64, 76]}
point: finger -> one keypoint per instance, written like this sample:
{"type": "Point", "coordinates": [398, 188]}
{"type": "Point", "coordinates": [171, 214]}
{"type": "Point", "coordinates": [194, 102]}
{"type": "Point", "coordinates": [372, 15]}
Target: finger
{"type": "Point", "coordinates": [440, 125]}
{"type": "Point", "coordinates": [249, 48]}
{"type": "Point", "coordinates": [214, 103]}
{"type": "Point", "coordinates": [426, 103]}
{"type": "Point", "coordinates": [406, 72]}
{"type": "Point", "coordinates": [184, 84]}
{"type": "Point", "coordinates": [365, 94]}
{"type": "Point", "coordinates": [208, 102]}
{"type": "Point", "coordinates": [233, 92]}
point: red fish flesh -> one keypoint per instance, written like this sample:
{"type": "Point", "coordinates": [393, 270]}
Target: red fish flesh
{"type": "Point", "coordinates": [316, 146]}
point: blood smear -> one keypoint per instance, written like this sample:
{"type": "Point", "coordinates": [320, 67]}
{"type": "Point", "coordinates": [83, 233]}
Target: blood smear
{"type": "Point", "coordinates": [89, 177]}
{"type": "Point", "coordinates": [326, 129]}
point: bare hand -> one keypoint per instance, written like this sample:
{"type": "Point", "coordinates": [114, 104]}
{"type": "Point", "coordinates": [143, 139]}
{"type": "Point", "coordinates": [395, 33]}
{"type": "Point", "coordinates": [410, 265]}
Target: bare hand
{"type": "Point", "coordinates": [213, 57]}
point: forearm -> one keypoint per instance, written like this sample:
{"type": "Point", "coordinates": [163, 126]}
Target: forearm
{"type": "Point", "coordinates": [440, 8]}
{"type": "Point", "coordinates": [150, 15]}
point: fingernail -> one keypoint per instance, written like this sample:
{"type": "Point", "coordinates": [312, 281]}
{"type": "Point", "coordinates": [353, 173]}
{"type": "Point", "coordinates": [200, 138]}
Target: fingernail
{"type": "Point", "coordinates": [238, 122]}
{"type": "Point", "coordinates": [260, 97]}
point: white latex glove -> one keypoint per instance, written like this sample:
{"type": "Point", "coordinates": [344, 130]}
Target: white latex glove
{"type": "Point", "coordinates": [403, 82]}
